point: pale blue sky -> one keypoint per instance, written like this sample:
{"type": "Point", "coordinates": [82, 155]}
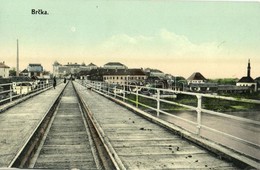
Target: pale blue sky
{"type": "Point", "coordinates": [215, 38]}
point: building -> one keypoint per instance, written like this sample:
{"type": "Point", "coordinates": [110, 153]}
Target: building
{"type": "Point", "coordinates": [114, 65]}
{"type": "Point", "coordinates": [4, 70]}
{"type": "Point", "coordinates": [55, 70]}
{"type": "Point", "coordinates": [61, 71]}
{"type": "Point", "coordinates": [24, 73]}
{"type": "Point", "coordinates": [196, 78]}
{"type": "Point", "coordinates": [154, 73]}
{"type": "Point", "coordinates": [91, 66]}
{"type": "Point", "coordinates": [124, 76]}
{"type": "Point", "coordinates": [35, 70]}
{"type": "Point", "coordinates": [248, 81]}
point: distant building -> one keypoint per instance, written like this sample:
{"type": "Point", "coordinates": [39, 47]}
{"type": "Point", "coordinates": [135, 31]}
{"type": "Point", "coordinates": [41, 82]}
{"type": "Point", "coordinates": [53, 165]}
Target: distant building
{"type": "Point", "coordinates": [124, 76]}
{"type": "Point", "coordinates": [4, 70]}
{"type": "Point", "coordinates": [196, 78]}
{"type": "Point", "coordinates": [248, 81]}
{"type": "Point", "coordinates": [24, 73]}
{"type": "Point", "coordinates": [35, 70]}
{"type": "Point", "coordinates": [154, 73]}
{"type": "Point", "coordinates": [114, 65]}
{"type": "Point", "coordinates": [61, 71]}
{"type": "Point", "coordinates": [91, 66]}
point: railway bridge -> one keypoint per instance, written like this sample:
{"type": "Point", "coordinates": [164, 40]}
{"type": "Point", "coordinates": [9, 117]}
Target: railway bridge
{"type": "Point", "coordinates": [88, 125]}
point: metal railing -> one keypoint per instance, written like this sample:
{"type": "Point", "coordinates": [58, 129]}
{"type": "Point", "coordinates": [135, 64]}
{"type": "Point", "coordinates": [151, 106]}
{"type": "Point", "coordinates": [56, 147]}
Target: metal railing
{"type": "Point", "coordinates": [15, 90]}
{"type": "Point", "coordinates": [137, 95]}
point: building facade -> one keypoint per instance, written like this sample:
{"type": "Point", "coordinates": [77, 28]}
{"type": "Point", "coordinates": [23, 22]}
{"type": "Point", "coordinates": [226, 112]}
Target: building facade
{"type": "Point", "coordinates": [35, 70]}
{"type": "Point", "coordinates": [4, 70]}
{"type": "Point", "coordinates": [248, 81]}
{"type": "Point", "coordinates": [124, 76]}
{"type": "Point", "coordinates": [196, 78]}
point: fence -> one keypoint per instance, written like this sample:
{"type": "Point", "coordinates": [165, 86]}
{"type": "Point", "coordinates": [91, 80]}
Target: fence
{"type": "Point", "coordinates": [15, 90]}
{"type": "Point", "coordinates": [157, 101]}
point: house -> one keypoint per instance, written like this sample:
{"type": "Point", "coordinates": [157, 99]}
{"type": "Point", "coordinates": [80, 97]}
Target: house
{"type": "Point", "coordinates": [4, 70]}
{"type": "Point", "coordinates": [248, 81]}
{"type": "Point", "coordinates": [114, 65]}
{"type": "Point", "coordinates": [24, 73]}
{"type": "Point", "coordinates": [35, 70]}
{"type": "Point", "coordinates": [91, 66]}
{"type": "Point", "coordinates": [196, 78]}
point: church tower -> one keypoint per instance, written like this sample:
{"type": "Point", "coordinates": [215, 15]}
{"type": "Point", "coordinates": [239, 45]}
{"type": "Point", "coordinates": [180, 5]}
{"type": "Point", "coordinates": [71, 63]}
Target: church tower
{"type": "Point", "coordinates": [248, 69]}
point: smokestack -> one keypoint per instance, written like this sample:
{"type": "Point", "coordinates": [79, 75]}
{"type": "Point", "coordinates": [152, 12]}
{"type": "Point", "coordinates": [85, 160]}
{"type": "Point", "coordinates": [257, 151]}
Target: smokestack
{"type": "Point", "coordinates": [17, 64]}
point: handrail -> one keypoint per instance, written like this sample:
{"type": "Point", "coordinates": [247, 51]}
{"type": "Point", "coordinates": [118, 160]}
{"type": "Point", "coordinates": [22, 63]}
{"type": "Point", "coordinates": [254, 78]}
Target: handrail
{"type": "Point", "coordinates": [121, 92]}
{"type": "Point", "coordinates": [14, 90]}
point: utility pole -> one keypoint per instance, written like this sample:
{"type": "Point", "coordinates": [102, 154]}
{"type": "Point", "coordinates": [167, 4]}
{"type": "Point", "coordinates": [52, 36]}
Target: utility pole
{"type": "Point", "coordinates": [17, 62]}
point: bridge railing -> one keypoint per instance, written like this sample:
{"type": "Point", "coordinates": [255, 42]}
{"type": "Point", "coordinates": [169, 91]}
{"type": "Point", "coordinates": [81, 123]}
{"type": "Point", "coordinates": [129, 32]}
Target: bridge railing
{"type": "Point", "coordinates": [158, 101]}
{"type": "Point", "coordinates": [15, 90]}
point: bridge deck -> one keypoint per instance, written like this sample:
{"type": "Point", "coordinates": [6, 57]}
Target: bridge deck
{"type": "Point", "coordinates": [141, 144]}
{"type": "Point", "coordinates": [17, 123]}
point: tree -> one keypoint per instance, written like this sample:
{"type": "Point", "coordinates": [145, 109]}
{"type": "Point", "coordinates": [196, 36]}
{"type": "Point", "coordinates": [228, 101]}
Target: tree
{"type": "Point", "coordinates": [12, 72]}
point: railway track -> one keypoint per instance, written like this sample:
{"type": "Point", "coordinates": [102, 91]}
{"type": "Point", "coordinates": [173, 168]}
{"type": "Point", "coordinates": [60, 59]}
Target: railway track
{"type": "Point", "coordinates": [84, 130]}
{"type": "Point", "coordinates": [64, 140]}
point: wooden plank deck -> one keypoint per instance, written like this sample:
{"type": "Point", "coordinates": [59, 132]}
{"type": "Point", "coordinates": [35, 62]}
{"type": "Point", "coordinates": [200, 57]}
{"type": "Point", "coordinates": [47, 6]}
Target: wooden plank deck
{"type": "Point", "coordinates": [18, 122]}
{"type": "Point", "coordinates": [141, 144]}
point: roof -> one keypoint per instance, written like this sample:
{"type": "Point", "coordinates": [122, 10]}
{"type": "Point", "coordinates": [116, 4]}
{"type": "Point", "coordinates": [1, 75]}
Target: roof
{"type": "Point", "coordinates": [91, 64]}
{"type": "Point", "coordinates": [73, 65]}
{"type": "Point", "coordinates": [153, 70]}
{"type": "Point", "coordinates": [24, 71]}
{"type": "Point", "coordinates": [56, 63]}
{"type": "Point", "coordinates": [2, 65]}
{"type": "Point", "coordinates": [246, 80]}
{"type": "Point", "coordinates": [114, 63]}
{"type": "Point", "coordinates": [35, 65]}
{"type": "Point", "coordinates": [196, 76]}
{"type": "Point", "coordinates": [109, 72]}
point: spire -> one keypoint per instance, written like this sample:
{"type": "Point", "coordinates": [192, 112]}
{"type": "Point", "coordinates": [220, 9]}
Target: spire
{"type": "Point", "coordinates": [248, 68]}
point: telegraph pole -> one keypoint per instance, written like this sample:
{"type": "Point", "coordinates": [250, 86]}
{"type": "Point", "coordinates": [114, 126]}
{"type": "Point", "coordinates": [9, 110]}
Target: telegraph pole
{"type": "Point", "coordinates": [17, 62]}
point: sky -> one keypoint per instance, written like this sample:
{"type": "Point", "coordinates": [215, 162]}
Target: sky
{"type": "Point", "coordinates": [177, 37]}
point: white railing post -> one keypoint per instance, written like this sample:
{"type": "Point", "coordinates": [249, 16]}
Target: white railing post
{"type": "Point", "coordinates": [136, 97]}
{"type": "Point", "coordinates": [124, 92]}
{"type": "Point", "coordinates": [27, 88]}
{"type": "Point", "coordinates": [20, 89]}
{"type": "Point", "coordinates": [158, 102]}
{"type": "Point", "coordinates": [11, 93]}
{"type": "Point", "coordinates": [199, 114]}
{"type": "Point", "coordinates": [115, 92]}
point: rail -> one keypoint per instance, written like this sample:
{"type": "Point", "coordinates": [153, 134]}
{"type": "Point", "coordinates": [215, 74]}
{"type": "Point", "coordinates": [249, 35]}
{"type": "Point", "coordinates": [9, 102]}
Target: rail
{"type": "Point", "coordinates": [156, 101]}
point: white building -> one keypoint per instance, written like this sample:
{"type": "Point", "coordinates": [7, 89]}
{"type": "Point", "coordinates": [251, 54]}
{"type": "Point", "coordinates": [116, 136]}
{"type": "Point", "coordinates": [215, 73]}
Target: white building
{"type": "Point", "coordinates": [196, 78]}
{"type": "Point", "coordinates": [4, 70]}
{"type": "Point", "coordinates": [35, 70]}
{"type": "Point", "coordinates": [248, 81]}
